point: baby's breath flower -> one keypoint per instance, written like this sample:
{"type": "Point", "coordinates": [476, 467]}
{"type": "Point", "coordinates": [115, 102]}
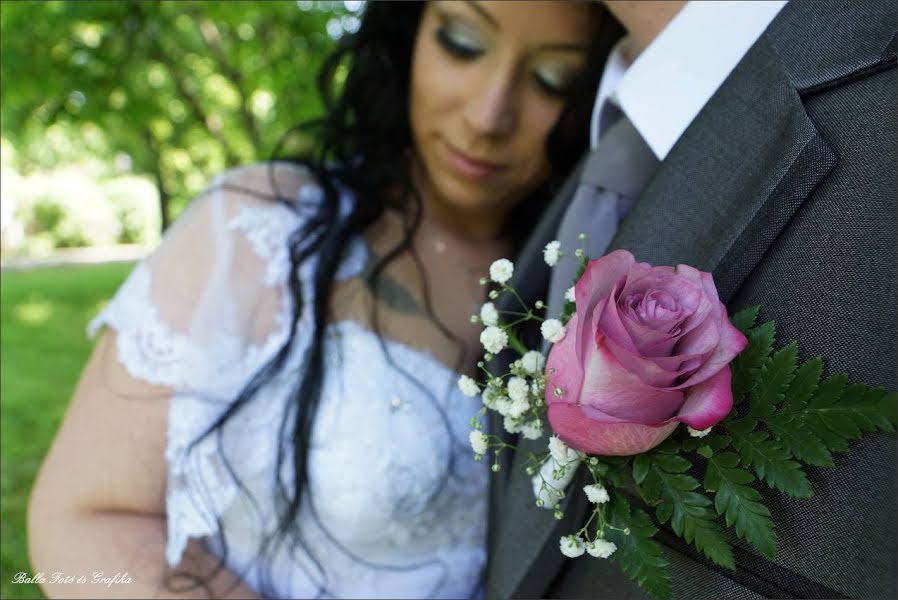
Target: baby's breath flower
{"type": "Point", "coordinates": [512, 424]}
{"type": "Point", "coordinates": [488, 314]}
{"type": "Point", "coordinates": [478, 442]}
{"type": "Point", "coordinates": [572, 546]}
{"type": "Point", "coordinates": [490, 397]}
{"type": "Point", "coordinates": [518, 407]}
{"type": "Point", "coordinates": [600, 548]}
{"type": "Point", "coordinates": [561, 452]}
{"type": "Point", "coordinates": [552, 252]}
{"type": "Point", "coordinates": [569, 295]}
{"type": "Point", "coordinates": [533, 362]}
{"type": "Point", "coordinates": [596, 493]}
{"type": "Point", "coordinates": [517, 389]}
{"type": "Point", "coordinates": [501, 270]}
{"type": "Point", "coordinates": [493, 339]}
{"type": "Point", "coordinates": [468, 386]}
{"type": "Point", "coordinates": [532, 431]}
{"type": "Point", "coordinates": [504, 406]}
{"type": "Point", "coordinates": [552, 330]}
{"type": "Point", "coordinates": [698, 433]}
{"type": "Point", "coordinates": [493, 294]}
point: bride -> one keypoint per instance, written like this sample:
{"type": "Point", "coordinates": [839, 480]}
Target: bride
{"type": "Point", "coordinates": [270, 409]}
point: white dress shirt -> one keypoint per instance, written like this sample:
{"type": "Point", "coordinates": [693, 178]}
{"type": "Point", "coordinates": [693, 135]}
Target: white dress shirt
{"type": "Point", "coordinates": [667, 85]}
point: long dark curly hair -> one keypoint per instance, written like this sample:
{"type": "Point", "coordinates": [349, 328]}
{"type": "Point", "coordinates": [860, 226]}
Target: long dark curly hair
{"type": "Point", "coordinates": [362, 143]}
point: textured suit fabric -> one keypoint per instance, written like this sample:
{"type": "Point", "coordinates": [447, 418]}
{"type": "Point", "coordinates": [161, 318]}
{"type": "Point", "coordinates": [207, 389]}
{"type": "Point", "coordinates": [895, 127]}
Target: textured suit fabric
{"type": "Point", "coordinates": [785, 188]}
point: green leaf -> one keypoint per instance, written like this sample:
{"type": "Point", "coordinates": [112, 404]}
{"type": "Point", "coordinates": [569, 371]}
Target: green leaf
{"type": "Point", "coordinates": [773, 379]}
{"type": "Point", "coordinates": [760, 343]}
{"type": "Point", "coordinates": [745, 318]}
{"type": "Point", "coordinates": [641, 463]}
{"type": "Point", "coordinates": [739, 503]}
{"type": "Point", "coordinates": [690, 516]}
{"type": "Point", "coordinates": [798, 440]}
{"type": "Point", "coordinates": [671, 463]}
{"type": "Point", "coordinates": [807, 378]}
{"type": "Point", "coordinates": [637, 553]}
{"type": "Point", "coordinates": [770, 462]}
{"type": "Point", "coordinates": [651, 488]}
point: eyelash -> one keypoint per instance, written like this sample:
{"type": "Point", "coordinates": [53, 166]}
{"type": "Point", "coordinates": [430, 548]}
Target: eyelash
{"type": "Point", "coordinates": [454, 48]}
{"type": "Point", "coordinates": [559, 92]}
{"type": "Point", "coordinates": [466, 53]}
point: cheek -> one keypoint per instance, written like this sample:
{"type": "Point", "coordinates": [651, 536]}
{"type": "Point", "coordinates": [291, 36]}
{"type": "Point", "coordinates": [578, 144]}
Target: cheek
{"type": "Point", "coordinates": [538, 119]}
{"type": "Point", "coordinates": [433, 91]}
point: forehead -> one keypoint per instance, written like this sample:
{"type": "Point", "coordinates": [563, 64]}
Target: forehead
{"type": "Point", "coordinates": [533, 22]}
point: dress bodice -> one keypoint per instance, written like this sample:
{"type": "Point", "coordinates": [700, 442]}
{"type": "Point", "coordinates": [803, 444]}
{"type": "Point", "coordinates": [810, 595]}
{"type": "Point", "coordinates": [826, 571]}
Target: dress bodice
{"type": "Point", "coordinates": [395, 506]}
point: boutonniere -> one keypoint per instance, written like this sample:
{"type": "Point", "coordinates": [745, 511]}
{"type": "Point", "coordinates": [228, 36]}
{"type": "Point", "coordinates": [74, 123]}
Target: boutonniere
{"type": "Point", "coordinates": [672, 407]}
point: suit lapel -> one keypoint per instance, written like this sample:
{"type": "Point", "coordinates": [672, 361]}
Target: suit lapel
{"type": "Point", "coordinates": [718, 202]}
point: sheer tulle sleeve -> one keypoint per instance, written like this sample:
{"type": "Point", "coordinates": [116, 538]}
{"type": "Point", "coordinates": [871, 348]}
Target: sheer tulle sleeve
{"type": "Point", "coordinates": [201, 315]}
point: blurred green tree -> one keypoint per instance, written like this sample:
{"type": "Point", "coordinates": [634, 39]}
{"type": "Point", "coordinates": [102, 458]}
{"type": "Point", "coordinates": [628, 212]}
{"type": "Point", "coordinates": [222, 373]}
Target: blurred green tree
{"type": "Point", "coordinates": [175, 90]}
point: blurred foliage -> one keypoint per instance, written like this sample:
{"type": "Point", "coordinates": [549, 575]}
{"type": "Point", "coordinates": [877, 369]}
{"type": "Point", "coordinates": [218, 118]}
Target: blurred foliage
{"type": "Point", "coordinates": [44, 314]}
{"type": "Point", "coordinates": [174, 90]}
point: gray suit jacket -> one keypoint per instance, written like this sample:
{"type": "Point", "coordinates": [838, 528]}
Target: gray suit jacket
{"type": "Point", "coordinates": [784, 187]}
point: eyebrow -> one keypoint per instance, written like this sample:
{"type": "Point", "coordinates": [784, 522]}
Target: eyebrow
{"type": "Point", "coordinates": [562, 46]}
{"type": "Point", "coordinates": [483, 13]}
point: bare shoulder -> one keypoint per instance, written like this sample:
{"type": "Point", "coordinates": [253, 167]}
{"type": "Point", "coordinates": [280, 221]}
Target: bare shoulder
{"type": "Point", "coordinates": [263, 182]}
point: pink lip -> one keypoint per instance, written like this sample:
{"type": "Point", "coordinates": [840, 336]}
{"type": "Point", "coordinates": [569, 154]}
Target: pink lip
{"type": "Point", "coordinates": [469, 167]}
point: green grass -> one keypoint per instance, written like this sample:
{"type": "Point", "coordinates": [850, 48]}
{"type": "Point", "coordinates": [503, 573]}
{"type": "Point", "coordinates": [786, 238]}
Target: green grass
{"type": "Point", "coordinates": [43, 347]}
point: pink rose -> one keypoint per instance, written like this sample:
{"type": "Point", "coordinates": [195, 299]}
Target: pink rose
{"type": "Point", "coordinates": [648, 347]}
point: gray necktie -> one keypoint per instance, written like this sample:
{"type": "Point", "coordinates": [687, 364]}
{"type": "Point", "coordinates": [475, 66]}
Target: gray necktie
{"type": "Point", "coordinates": [611, 180]}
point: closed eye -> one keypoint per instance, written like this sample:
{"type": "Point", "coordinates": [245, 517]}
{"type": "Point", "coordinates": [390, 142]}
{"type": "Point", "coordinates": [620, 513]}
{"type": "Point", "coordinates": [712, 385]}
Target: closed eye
{"type": "Point", "coordinates": [456, 44]}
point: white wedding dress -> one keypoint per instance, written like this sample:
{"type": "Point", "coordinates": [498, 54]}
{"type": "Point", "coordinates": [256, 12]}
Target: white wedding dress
{"type": "Point", "coordinates": [395, 506]}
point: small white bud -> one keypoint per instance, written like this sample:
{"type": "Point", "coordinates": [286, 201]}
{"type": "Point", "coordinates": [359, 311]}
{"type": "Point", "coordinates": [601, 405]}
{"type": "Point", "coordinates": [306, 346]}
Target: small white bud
{"type": "Point", "coordinates": [698, 433]}
{"type": "Point", "coordinates": [479, 442]}
{"type": "Point", "coordinates": [552, 330]}
{"type": "Point", "coordinates": [493, 339]}
{"type": "Point", "coordinates": [533, 362]}
{"type": "Point", "coordinates": [572, 546]}
{"type": "Point", "coordinates": [552, 252]}
{"type": "Point", "coordinates": [488, 314]}
{"type": "Point", "coordinates": [501, 270]}
{"type": "Point", "coordinates": [468, 386]}
{"type": "Point", "coordinates": [601, 548]}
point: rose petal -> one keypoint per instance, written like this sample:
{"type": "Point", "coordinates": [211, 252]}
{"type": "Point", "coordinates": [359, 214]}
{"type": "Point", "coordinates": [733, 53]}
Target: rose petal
{"type": "Point", "coordinates": [604, 439]}
{"type": "Point", "coordinates": [596, 284]}
{"type": "Point", "coordinates": [611, 388]}
{"type": "Point", "coordinates": [708, 402]}
{"type": "Point", "coordinates": [731, 343]}
{"type": "Point", "coordinates": [564, 368]}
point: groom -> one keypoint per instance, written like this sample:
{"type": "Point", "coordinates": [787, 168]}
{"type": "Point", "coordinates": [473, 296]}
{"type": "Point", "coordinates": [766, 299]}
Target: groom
{"type": "Point", "coordinates": [766, 154]}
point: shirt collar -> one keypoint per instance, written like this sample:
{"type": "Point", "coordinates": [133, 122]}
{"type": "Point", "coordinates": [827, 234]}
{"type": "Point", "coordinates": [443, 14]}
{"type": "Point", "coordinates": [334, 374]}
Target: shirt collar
{"type": "Point", "coordinates": [663, 90]}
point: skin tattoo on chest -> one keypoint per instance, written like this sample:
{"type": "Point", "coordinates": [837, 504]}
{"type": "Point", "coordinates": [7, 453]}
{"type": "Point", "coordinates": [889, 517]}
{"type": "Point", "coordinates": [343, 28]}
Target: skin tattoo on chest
{"type": "Point", "coordinates": [393, 294]}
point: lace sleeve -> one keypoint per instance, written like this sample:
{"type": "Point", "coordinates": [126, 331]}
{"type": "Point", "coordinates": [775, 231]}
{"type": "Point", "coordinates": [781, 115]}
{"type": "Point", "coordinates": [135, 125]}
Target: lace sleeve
{"type": "Point", "coordinates": [201, 315]}
{"type": "Point", "coordinates": [210, 303]}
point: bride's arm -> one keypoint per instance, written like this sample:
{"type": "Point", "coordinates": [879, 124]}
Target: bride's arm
{"type": "Point", "coordinates": [98, 505]}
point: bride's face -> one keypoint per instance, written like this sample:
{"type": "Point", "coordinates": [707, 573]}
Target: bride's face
{"type": "Point", "coordinates": [488, 83]}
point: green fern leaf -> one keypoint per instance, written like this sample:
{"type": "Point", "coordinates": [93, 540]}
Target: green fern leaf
{"type": "Point", "coordinates": [745, 319]}
{"type": "Point", "coordinates": [637, 553]}
{"type": "Point", "coordinates": [740, 504]}
{"type": "Point", "coordinates": [773, 380]}
{"type": "Point", "coordinates": [690, 516]}
{"type": "Point", "coordinates": [798, 440]}
{"type": "Point", "coordinates": [770, 462]}
{"type": "Point", "coordinates": [760, 344]}
{"type": "Point", "coordinates": [807, 378]}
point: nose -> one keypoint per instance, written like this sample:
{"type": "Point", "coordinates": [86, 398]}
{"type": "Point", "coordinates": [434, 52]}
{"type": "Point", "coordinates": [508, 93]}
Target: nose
{"type": "Point", "coordinates": [493, 104]}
